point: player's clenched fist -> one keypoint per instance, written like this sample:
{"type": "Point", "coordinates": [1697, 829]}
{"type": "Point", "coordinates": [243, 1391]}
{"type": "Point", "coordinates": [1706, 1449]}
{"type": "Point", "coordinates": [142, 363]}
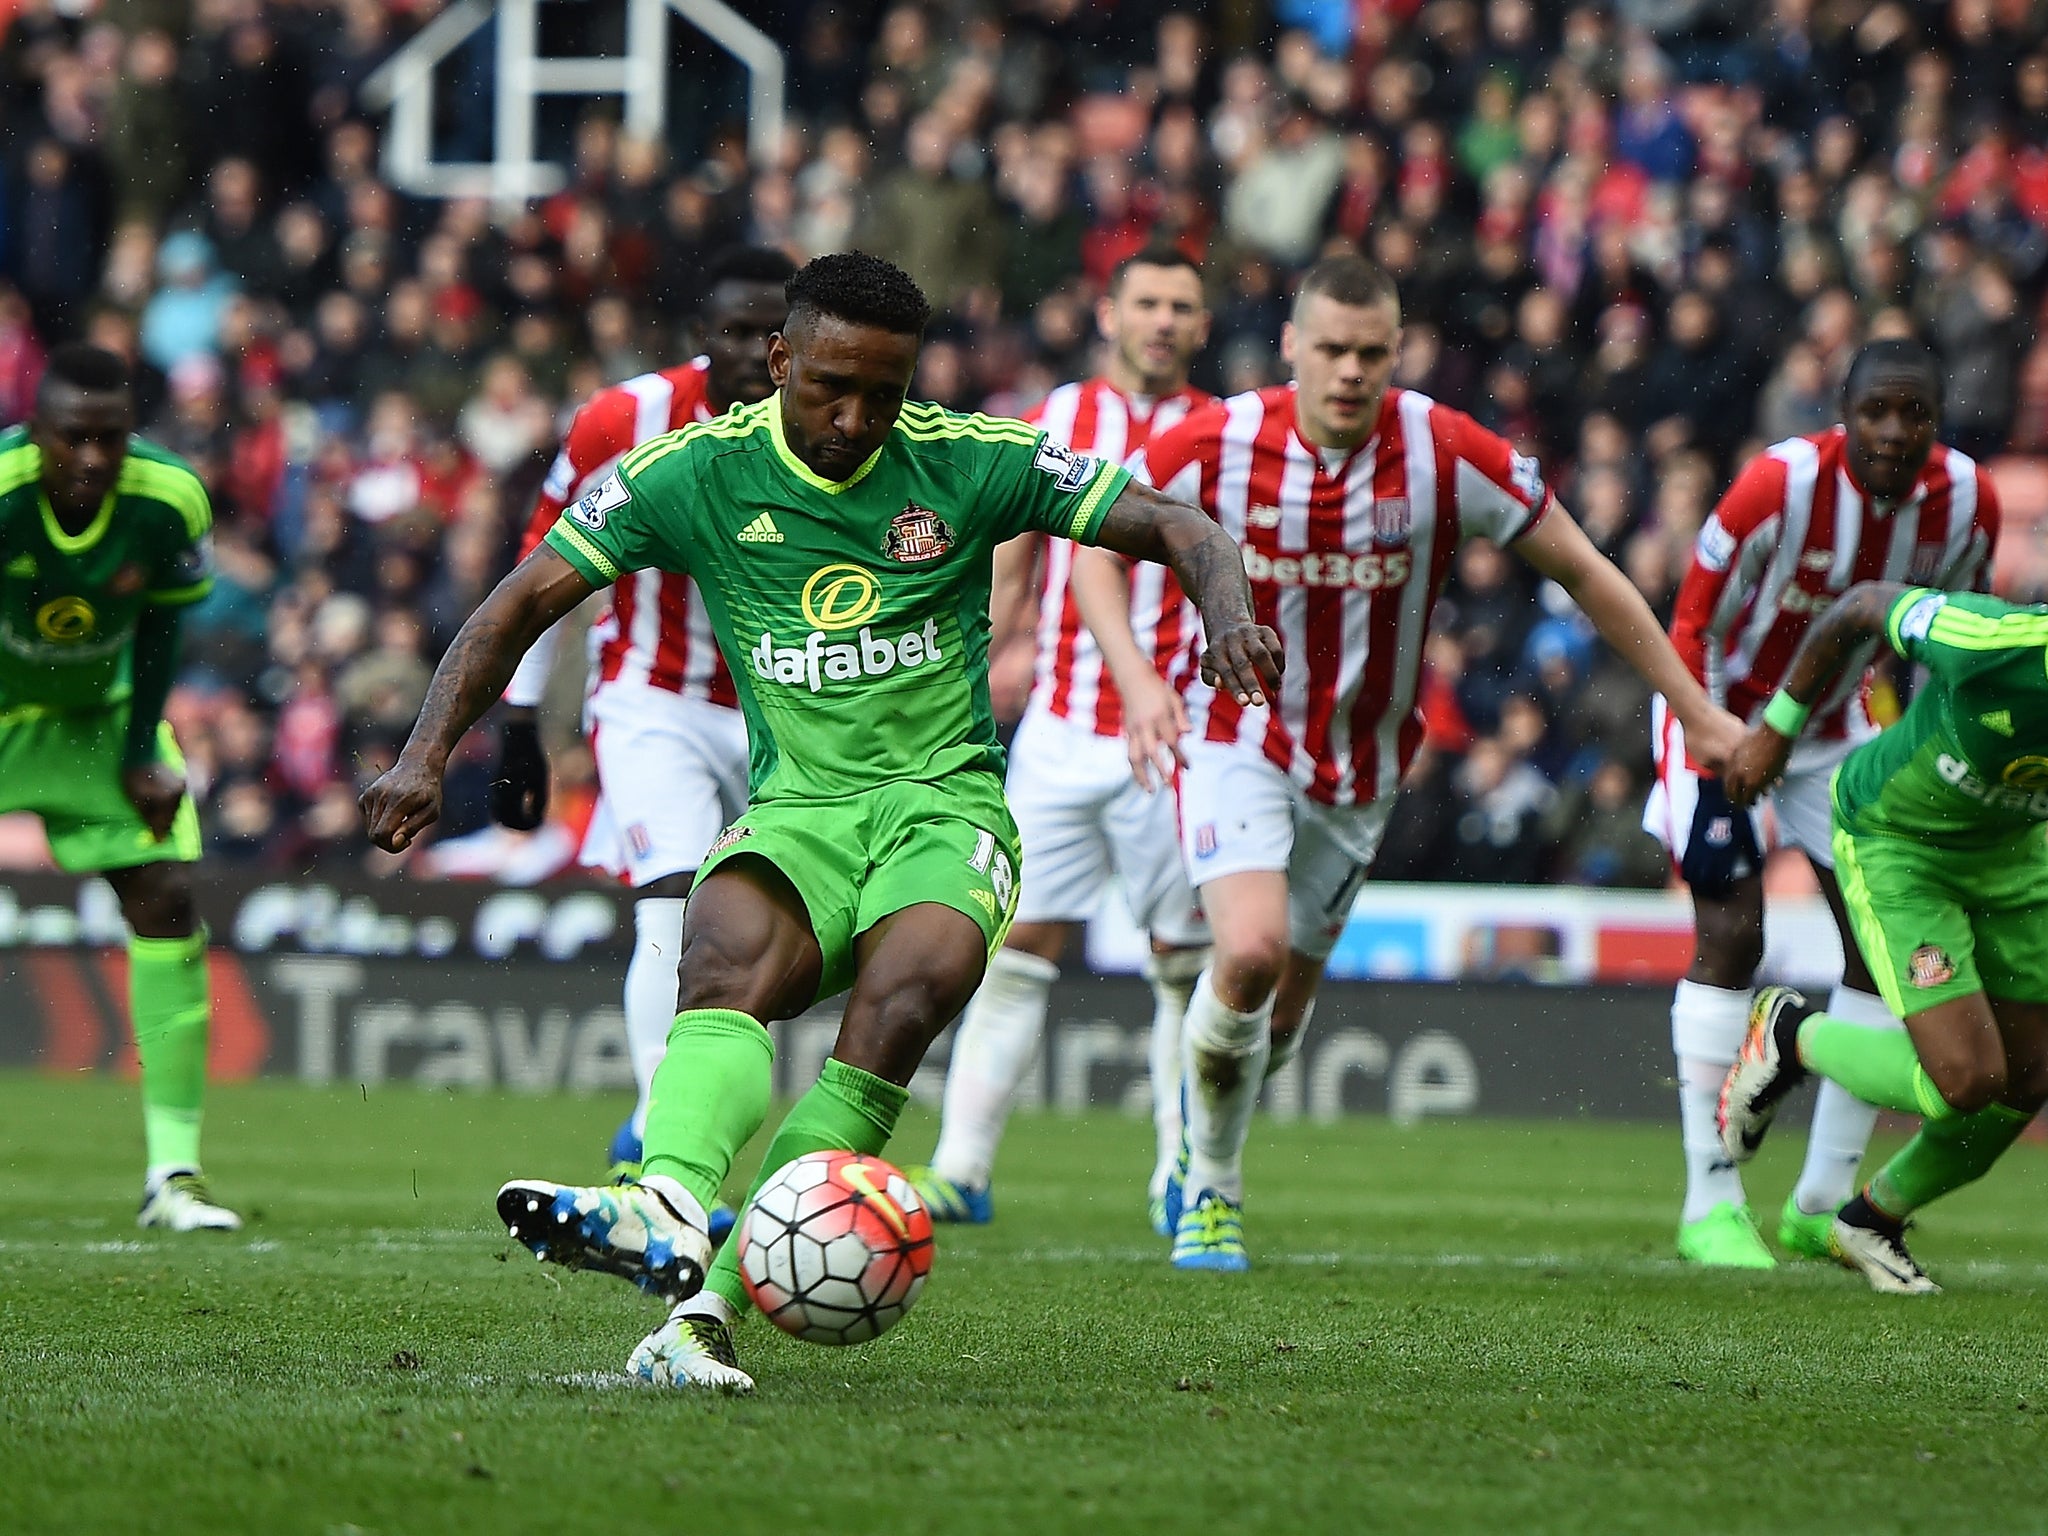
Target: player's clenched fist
{"type": "Point", "coordinates": [1757, 763]}
{"type": "Point", "coordinates": [402, 803]}
{"type": "Point", "coordinates": [1244, 661]}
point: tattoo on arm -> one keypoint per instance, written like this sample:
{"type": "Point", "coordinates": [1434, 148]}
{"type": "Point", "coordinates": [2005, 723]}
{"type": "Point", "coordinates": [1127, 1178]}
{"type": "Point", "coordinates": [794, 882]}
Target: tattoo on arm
{"type": "Point", "coordinates": [1148, 526]}
{"type": "Point", "coordinates": [1855, 617]}
{"type": "Point", "coordinates": [486, 651]}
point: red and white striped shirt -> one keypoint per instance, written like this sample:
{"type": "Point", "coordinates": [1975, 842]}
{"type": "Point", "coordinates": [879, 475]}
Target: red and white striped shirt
{"type": "Point", "coordinates": [1791, 535]}
{"type": "Point", "coordinates": [1096, 417]}
{"type": "Point", "coordinates": [1347, 556]}
{"type": "Point", "coordinates": [654, 630]}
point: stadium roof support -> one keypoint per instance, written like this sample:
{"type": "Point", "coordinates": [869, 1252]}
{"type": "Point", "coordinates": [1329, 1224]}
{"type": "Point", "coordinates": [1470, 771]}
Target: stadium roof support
{"type": "Point", "coordinates": [405, 84]}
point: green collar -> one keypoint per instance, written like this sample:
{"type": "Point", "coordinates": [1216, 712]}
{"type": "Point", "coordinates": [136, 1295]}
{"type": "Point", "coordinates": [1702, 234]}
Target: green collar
{"type": "Point", "coordinates": [803, 471]}
{"type": "Point", "coordinates": [75, 543]}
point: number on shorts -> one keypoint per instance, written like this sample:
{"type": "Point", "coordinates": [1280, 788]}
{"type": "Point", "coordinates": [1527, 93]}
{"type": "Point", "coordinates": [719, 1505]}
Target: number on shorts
{"type": "Point", "coordinates": [984, 850]}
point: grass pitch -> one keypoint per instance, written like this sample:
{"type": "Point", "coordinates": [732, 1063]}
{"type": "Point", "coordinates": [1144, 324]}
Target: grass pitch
{"type": "Point", "coordinates": [1459, 1326]}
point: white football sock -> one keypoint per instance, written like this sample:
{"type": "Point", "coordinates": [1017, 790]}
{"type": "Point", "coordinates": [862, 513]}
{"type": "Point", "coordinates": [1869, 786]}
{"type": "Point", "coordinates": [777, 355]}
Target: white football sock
{"type": "Point", "coordinates": [708, 1303]}
{"type": "Point", "coordinates": [997, 1039]}
{"type": "Point", "coordinates": [651, 987]}
{"type": "Point", "coordinates": [1173, 983]}
{"type": "Point", "coordinates": [1223, 1059]}
{"type": "Point", "coordinates": [1841, 1122]}
{"type": "Point", "coordinates": [1707, 1027]}
{"type": "Point", "coordinates": [680, 1200]}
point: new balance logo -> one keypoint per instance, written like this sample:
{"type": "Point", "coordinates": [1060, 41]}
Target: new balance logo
{"type": "Point", "coordinates": [1999, 720]}
{"type": "Point", "coordinates": [761, 530]}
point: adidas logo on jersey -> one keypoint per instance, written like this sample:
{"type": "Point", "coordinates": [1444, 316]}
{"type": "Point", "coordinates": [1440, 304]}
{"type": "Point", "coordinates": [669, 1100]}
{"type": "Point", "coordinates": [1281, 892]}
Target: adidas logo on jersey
{"type": "Point", "coordinates": [1999, 720]}
{"type": "Point", "coordinates": [761, 530]}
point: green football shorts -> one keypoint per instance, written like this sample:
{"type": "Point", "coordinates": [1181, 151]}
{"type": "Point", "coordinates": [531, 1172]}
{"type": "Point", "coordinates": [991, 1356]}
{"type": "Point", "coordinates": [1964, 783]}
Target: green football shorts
{"type": "Point", "coordinates": [860, 858]}
{"type": "Point", "coordinates": [1937, 924]}
{"type": "Point", "coordinates": [65, 766]}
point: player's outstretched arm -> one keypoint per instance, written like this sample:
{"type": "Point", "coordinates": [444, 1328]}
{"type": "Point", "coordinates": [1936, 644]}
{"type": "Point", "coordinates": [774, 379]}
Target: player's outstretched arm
{"type": "Point", "coordinates": [1853, 619]}
{"type": "Point", "coordinates": [539, 590]}
{"type": "Point", "coordinates": [1243, 657]}
{"type": "Point", "coordinates": [1558, 549]}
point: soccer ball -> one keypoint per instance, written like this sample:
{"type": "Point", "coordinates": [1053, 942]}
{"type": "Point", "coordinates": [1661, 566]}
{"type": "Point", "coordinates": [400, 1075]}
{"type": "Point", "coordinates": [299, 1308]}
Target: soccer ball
{"type": "Point", "coordinates": [835, 1248]}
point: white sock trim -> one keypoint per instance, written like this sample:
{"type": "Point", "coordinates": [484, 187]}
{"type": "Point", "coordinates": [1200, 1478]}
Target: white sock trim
{"type": "Point", "coordinates": [708, 1303]}
{"type": "Point", "coordinates": [1176, 967]}
{"type": "Point", "coordinates": [1213, 1025]}
{"type": "Point", "coordinates": [685, 1203]}
{"type": "Point", "coordinates": [1708, 1023]}
{"type": "Point", "coordinates": [1008, 965]}
{"type": "Point", "coordinates": [1865, 1008]}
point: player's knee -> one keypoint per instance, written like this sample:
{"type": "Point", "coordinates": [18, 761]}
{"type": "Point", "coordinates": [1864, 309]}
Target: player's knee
{"type": "Point", "coordinates": [716, 972]}
{"type": "Point", "coordinates": [912, 1011]}
{"type": "Point", "coordinates": [1967, 1087]}
{"type": "Point", "coordinates": [1249, 961]}
{"type": "Point", "coordinates": [158, 903]}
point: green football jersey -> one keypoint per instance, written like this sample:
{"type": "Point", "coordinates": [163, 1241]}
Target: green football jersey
{"type": "Point", "coordinates": [1968, 762]}
{"type": "Point", "coordinates": [852, 614]}
{"type": "Point", "coordinates": [69, 602]}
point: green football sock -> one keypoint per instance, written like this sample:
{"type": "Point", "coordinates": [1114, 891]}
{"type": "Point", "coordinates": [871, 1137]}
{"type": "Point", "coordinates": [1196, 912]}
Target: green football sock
{"type": "Point", "coordinates": [710, 1094]}
{"type": "Point", "coordinates": [167, 1003]}
{"type": "Point", "coordinates": [1946, 1155]}
{"type": "Point", "coordinates": [847, 1110]}
{"type": "Point", "coordinates": [1879, 1066]}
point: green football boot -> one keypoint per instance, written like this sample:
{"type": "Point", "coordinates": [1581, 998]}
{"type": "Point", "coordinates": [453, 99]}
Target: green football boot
{"type": "Point", "coordinates": [1806, 1235]}
{"type": "Point", "coordinates": [1725, 1238]}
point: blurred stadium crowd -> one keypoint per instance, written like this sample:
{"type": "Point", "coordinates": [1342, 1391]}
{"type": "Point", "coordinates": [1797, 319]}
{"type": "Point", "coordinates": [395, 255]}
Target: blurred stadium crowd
{"type": "Point", "coordinates": [1640, 238]}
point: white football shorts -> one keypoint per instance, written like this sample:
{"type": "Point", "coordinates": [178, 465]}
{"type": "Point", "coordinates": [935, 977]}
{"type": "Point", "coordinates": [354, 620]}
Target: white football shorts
{"type": "Point", "coordinates": [671, 774]}
{"type": "Point", "coordinates": [1238, 812]}
{"type": "Point", "coordinates": [1081, 817]}
{"type": "Point", "coordinates": [1796, 813]}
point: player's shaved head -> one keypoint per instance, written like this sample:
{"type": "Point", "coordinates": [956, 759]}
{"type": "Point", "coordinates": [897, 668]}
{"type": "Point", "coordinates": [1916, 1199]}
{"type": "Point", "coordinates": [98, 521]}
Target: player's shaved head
{"type": "Point", "coordinates": [84, 412]}
{"type": "Point", "coordinates": [748, 264]}
{"type": "Point", "coordinates": [1892, 408]}
{"type": "Point", "coordinates": [1349, 280]}
{"type": "Point", "coordinates": [1892, 360]}
{"type": "Point", "coordinates": [744, 306]}
{"type": "Point", "coordinates": [82, 368]}
{"type": "Point", "coordinates": [1342, 342]}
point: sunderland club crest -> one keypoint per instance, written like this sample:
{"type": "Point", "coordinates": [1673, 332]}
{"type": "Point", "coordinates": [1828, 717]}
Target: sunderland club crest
{"type": "Point", "coordinates": [916, 534]}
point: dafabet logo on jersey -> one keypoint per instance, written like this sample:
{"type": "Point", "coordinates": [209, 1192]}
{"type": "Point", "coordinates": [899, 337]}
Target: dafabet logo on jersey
{"type": "Point", "coordinates": [841, 597]}
{"type": "Point", "coordinates": [835, 599]}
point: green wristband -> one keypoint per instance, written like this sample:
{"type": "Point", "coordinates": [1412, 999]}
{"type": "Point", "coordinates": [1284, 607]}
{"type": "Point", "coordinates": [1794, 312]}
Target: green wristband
{"type": "Point", "coordinates": [1786, 715]}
